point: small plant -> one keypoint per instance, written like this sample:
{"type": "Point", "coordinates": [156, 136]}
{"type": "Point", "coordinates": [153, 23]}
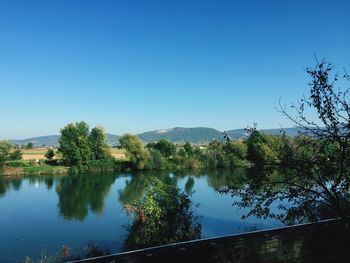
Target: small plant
{"type": "Point", "coordinates": [164, 215]}
{"type": "Point", "coordinates": [50, 154]}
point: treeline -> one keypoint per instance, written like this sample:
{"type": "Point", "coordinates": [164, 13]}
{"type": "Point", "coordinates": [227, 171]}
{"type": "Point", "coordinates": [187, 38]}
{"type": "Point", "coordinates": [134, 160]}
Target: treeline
{"type": "Point", "coordinates": [166, 155]}
{"type": "Point", "coordinates": [258, 150]}
{"type": "Point", "coordinates": [83, 149]}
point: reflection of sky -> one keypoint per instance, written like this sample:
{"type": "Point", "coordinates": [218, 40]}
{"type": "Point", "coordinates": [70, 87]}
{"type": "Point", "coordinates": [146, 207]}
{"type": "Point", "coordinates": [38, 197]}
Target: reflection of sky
{"type": "Point", "coordinates": [33, 223]}
{"type": "Point", "coordinates": [219, 217]}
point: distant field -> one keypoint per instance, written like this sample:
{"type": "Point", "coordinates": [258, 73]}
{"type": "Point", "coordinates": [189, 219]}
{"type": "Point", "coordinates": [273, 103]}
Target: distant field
{"type": "Point", "coordinates": [39, 153]}
{"type": "Point", "coordinates": [30, 154]}
{"type": "Point", "coordinates": [118, 153]}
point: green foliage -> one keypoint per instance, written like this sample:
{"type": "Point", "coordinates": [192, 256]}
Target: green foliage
{"type": "Point", "coordinates": [188, 148]}
{"type": "Point", "coordinates": [106, 164]}
{"type": "Point", "coordinates": [156, 160]}
{"type": "Point", "coordinates": [44, 169]}
{"type": "Point", "coordinates": [79, 146]}
{"type": "Point", "coordinates": [99, 148]}
{"type": "Point", "coordinates": [5, 149]}
{"type": "Point", "coordinates": [135, 150]}
{"type": "Point", "coordinates": [165, 147]}
{"type": "Point", "coordinates": [74, 144]}
{"type": "Point", "coordinates": [226, 154]}
{"type": "Point", "coordinates": [314, 168]}
{"type": "Point", "coordinates": [164, 215]}
{"type": "Point", "coordinates": [16, 155]}
{"type": "Point", "coordinates": [29, 145]}
{"type": "Point", "coordinates": [50, 153]}
{"type": "Point", "coordinates": [18, 163]}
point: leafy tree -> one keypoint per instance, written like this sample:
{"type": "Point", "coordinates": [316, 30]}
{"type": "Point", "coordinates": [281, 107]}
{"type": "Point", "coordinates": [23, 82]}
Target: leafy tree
{"type": "Point", "coordinates": [16, 155]}
{"type": "Point", "coordinates": [30, 145]}
{"type": "Point", "coordinates": [216, 156]}
{"type": "Point", "coordinates": [75, 144]}
{"type": "Point", "coordinates": [314, 169]}
{"type": "Point", "coordinates": [135, 150]}
{"type": "Point", "coordinates": [226, 154]}
{"type": "Point", "coordinates": [150, 145]}
{"type": "Point", "coordinates": [99, 148]}
{"type": "Point", "coordinates": [165, 147]}
{"type": "Point", "coordinates": [5, 148]}
{"type": "Point", "coordinates": [262, 149]}
{"type": "Point", "coordinates": [188, 148]}
{"type": "Point", "coordinates": [156, 160]}
{"type": "Point", "coordinates": [50, 153]}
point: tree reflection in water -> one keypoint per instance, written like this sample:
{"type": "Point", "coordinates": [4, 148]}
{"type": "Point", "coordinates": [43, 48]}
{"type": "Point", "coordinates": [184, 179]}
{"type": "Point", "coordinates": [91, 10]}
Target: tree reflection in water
{"type": "Point", "coordinates": [79, 193]}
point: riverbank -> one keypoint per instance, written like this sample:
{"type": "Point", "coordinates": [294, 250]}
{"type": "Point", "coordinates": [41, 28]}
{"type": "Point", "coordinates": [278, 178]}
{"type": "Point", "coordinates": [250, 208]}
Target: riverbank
{"type": "Point", "coordinates": [33, 170]}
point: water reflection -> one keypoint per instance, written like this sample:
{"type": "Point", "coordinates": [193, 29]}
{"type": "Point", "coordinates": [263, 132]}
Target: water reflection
{"type": "Point", "coordinates": [76, 197]}
{"type": "Point", "coordinates": [15, 183]}
{"type": "Point", "coordinates": [4, 186]}
{"type": "Point", "coordinates": [80, 193]}
{"type": "Point", "coordinates": [136, 185]}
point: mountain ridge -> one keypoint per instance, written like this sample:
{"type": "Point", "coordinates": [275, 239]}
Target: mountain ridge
{"type": "Point", "coordinates": [196, 135]}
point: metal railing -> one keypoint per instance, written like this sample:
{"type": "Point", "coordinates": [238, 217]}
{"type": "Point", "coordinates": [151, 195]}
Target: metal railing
{"type": "Point", "coordinates": [324, 241]}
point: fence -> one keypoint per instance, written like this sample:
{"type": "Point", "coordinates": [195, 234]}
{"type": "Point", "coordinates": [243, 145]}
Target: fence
{"type": "Point", "coordinates": [324, 241]}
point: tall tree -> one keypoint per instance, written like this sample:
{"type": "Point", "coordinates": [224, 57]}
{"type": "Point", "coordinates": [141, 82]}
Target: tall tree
{"type": "Point", "coordinates": [165, 147]}
{"type": "Point", "coordinates": [74, 144]}
{"type": "Point", "coordinates": [135, 150]}
{"type": "Point", "coordinates": [5, 148]}
{"type": "Point", "coordinates": [99, 148]}
{"type": "Point", "coordinates": [30, 145]}
{"type": "Point", "coordinates": [314, 169]}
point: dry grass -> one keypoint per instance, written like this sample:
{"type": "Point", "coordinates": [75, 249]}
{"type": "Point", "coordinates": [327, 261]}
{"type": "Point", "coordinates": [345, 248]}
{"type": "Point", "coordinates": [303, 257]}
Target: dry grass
{"type": "Point", "coordinates": [36, 153]}
{"type": "Point", "coordinates": [39, 153]}
{"type": "Point", "coordinates": [118, 153]}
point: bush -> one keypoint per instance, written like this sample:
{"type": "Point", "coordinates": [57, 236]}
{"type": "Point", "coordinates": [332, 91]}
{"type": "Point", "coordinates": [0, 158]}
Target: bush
{"type": "Point", "coordinates": [164, 215]}
{"type": "Point", "coordinates": [50, 154]}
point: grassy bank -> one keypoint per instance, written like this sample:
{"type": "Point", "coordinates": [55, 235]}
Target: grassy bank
{"type": "Point", "coordinates": [27, 167]}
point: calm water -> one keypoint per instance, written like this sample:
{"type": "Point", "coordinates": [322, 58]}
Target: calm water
{"type": "Point", "coordinates": [40, 215]}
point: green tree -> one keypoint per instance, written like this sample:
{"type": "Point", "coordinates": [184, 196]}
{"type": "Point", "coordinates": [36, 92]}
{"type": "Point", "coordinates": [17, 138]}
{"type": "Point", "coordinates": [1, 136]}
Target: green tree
{"type": "Point", "coordinates": [29, 145]}
{"type": "Point", "coordinates": [99, 148]}
{"type": "Point", "coordinates": [16, 155]}
{"type": "Point", "coordinates": [156, 160]}
{"type": "Point", "coordinates": [262, 149]}
{"type": "Point", "coordinates": [5, 148]}
{"type": "Point", "coordinates": [135, 150]}
{"type": "Point", "coordinates": [74, 144]}
{"type": "Point", "coordinates": [314, 169]}
{"type": "Point", "coordinates": [165, 147]}
{"type": "Point", "coordinates": [188, 148]}
{"type": "Point", "coordinates": [50, 153]}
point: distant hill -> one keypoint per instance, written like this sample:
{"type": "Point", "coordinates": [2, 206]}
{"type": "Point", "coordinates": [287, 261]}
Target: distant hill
{"type": "Point", "coordinates": [49, 140]}
{"type": "Point", "coordinates": [112, 139]}
{"type": "Point", "coordinates": [194, 135]}
{"type": "Point", "coordinates": [52, 140]}
{"type": "Point", "coordinates": [200, 135]}
{"type": "Point", "coordinates": [241, 133]}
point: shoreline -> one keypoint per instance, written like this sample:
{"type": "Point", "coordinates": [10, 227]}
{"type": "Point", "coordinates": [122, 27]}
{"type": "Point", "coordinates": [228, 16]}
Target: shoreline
{"type": "Point", "coordinates": [9, 171]}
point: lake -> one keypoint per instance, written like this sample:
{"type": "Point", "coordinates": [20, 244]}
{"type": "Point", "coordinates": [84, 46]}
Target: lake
{"type": "Point", "coordinates": [41, 214]}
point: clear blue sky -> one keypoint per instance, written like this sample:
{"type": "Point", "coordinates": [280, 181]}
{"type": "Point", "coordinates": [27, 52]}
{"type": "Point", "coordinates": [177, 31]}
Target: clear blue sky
{"type": "Point", "coordinates": [133, 66]}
